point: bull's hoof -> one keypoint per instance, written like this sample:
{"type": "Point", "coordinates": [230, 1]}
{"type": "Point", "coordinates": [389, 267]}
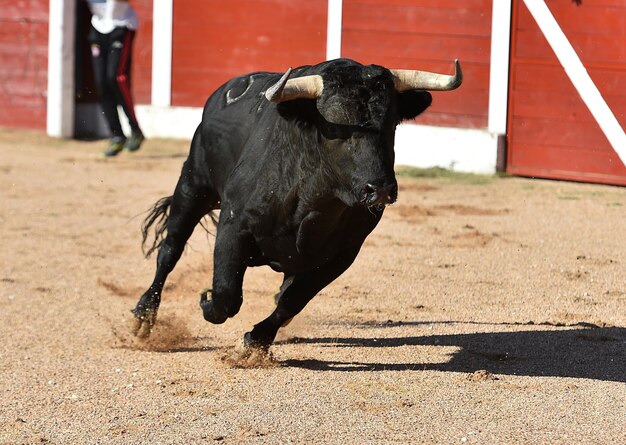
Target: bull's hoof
{"type": "Point", "coordinates": [143, 323]}
{"type": "Point", "coordinates": [246, 357]}
{"type": "Point", "coordinates": [241, 351]}
{"type": "Point", "coordinates": [210, 313]}
{"type": "Point", "coordinates": [251, 344]}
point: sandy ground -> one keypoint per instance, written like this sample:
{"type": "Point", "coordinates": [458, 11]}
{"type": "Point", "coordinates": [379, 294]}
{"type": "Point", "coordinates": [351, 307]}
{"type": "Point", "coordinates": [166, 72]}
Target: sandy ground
{"type": "Point", "coordinates": [481, 310]}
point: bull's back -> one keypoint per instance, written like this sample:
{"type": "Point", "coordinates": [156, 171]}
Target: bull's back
{"type": "Point", "coordinates": [232, 115]}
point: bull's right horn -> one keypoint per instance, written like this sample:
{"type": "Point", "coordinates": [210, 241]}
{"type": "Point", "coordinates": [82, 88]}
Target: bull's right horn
{"type": "Point", "coordinates": [406, 80]}
{"type": "Point", "coordinates": [307, 87]}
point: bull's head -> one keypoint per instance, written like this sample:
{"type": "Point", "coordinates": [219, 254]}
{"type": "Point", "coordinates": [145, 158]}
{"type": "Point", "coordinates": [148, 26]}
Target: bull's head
{"type": "Point", "coordinates": [356, 111]}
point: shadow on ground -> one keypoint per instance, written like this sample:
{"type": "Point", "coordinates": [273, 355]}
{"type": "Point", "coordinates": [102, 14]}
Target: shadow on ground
{"type": "Point", "coordinates": [592, 353]}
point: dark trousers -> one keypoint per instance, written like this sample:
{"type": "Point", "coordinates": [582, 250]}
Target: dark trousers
{"type": "Point", "coordinates": [111, 57]}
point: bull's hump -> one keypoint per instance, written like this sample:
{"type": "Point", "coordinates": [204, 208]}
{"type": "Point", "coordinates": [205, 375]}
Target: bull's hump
{"type": "Point", "coordinates": [239, 89]}
{"type": "Point", "coordinates": [243, 88]}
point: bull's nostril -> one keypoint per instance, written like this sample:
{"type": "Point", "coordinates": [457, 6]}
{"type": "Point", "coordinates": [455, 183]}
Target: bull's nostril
{"type": "Point", "coordinates": [370, 194]}
{"type": "Point", "coordinates": [377, 196]}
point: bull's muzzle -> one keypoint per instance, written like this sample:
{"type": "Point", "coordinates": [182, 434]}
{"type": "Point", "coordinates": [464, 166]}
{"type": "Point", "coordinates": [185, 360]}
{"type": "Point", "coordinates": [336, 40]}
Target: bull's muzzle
{"type": "Point", "coordinates": [379, 196]}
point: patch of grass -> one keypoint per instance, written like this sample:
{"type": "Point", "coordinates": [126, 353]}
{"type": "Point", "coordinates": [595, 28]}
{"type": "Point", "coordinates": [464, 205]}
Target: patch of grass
{"type": "Point", "coordinates": [443, 173]}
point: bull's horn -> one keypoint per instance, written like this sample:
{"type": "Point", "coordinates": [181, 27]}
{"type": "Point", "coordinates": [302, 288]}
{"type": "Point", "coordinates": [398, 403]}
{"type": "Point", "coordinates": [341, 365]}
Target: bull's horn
{"type": "Point", "coordinates": [307, 87]}
{"type": "Point", "coordinates": [405, 80]}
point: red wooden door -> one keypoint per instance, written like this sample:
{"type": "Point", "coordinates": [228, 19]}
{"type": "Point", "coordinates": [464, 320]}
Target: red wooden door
{"type": "Point", "coordinates": [23, 63]}
{"type": "Point", "coordinates": [552, 133]}
{"type": "Point", "coordinates": [142, 53]}
{"type": "Point", "coordinates": [427, 35]}
{"type": "Point", "coordinates": [215, 40]}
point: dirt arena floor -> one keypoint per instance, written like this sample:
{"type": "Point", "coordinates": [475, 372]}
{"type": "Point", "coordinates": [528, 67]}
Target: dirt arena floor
{"type": "Point", "coordinates": [481, 310]}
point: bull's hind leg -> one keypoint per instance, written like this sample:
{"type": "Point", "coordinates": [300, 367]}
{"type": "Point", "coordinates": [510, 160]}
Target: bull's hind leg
{"type": "Point", "coordinates": [188, 207]}
{"type": "Point", "coordinates": [295, 292]}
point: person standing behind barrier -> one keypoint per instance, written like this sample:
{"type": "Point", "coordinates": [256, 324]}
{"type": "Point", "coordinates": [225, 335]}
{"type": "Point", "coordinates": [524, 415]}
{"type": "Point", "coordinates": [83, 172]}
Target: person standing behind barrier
{"type": "Point", "coordinates": [113, 27]}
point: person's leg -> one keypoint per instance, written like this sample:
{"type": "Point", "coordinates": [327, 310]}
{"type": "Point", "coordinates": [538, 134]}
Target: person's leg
{"type": "Point", "coordinates": [100, 45]}
{"type": "Point", "coordinates": [120, 56]}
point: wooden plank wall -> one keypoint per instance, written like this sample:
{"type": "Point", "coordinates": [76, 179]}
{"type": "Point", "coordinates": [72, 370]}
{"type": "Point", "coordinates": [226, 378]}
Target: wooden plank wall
{"type": "Point", "coordinates": [551, 131]}
{"type": "Point", "coordinates": [214, 41]}
{"type": "Point", "coordinates": [428, 35]}
{"type": "Point", "coordinates": [142, 53]}
{"type": "Point", "coordinates": [23, 63]}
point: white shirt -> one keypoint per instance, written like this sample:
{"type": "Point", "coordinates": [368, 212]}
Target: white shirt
{"type": "Point", "coordinates": [110, 14]}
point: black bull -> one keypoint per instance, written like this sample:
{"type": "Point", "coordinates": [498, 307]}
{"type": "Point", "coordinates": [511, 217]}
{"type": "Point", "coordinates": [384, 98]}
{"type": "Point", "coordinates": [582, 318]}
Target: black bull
{"type": "Point", "coordinates": [301, 167]}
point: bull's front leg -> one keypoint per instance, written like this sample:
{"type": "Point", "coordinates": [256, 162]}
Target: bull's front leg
{"type": "Point", "coordinates": [294, 295]}
{"type": "Point", "coordinates": [233, 250]}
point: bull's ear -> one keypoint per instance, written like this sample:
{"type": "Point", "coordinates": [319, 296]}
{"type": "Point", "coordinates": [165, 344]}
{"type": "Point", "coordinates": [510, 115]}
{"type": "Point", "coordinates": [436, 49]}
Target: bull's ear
{"type": "Point", "coordinates": [412, 103]}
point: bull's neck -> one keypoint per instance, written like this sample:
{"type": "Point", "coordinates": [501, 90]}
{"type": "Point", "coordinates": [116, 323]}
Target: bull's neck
{"type": "Point", "coordinates": [317, 191]}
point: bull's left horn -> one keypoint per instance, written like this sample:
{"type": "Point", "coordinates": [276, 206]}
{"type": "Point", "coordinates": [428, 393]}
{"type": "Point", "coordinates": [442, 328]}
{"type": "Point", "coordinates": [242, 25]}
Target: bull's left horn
{"type": "Point", "coordinates": [406, 80]}
{"type": "Point", "coordinates": [307, 87]}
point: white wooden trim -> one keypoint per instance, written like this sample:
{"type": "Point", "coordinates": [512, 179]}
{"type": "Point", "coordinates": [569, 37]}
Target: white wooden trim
{"type": "Point", "coordinates": [499, 66]}
{"type": "Point", "coordinates": [579, 76]}
{"type": "Point", "coordinates": [162, 28]}
{"type": "Point", "coordinates": [61, 38]}
{"type": "Point", "coordinates": [333, 29]}
{"type": "Point", "coordinates": [459, 149]}
{"type": "Point", "coordinates": [167, 122]}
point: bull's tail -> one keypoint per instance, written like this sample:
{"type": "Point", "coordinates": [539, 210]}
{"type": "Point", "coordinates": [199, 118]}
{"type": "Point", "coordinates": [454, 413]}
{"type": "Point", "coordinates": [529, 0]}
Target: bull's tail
{"type": "Point", "coordinates": [158, 215]}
